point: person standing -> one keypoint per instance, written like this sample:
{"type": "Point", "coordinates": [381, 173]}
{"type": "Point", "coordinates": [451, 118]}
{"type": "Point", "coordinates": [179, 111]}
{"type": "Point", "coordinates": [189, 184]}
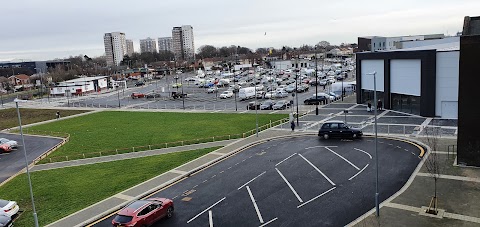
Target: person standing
{"type": "Point", "coordinates": [292, 125]}
{"type": "Point", "coordinates": [369, 107]}
{"type": "Point", "coordinates": [379, 105]}
{"type": "Point", "coordinates": [58, 115]}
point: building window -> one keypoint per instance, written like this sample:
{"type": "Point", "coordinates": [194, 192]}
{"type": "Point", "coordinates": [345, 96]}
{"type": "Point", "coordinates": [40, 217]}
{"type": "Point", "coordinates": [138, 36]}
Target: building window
{"type": "Point", "coordinates": [405, 103]}
{"type": "Point", "coordinates": [367, 96]}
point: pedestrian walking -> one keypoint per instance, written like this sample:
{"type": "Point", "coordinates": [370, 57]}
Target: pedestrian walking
{"type": "Point", "coordinates": [379, 105]}
{"type": "Point", "coordinates": [292, 125]}
{"type": "Point", "coordinates": [369, 107]}
{"type": "Point", "coordinates": [58, 115]}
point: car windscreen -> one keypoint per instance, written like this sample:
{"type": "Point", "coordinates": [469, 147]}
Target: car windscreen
{"type": "Point", "coordinates": [3, 202]}
{"type": "Point", "coordinates": [123, 218]}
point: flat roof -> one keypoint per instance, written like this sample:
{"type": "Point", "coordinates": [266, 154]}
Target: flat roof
{"type": "Point", "coordinates": [83, 79]}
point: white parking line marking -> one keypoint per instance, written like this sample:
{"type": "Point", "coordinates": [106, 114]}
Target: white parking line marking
{"type": "Point", "coordinates": [319, 146]}
{"type": "Point", "coordinates": [210, 207]}
{"type": "Point", "coordinates": [255, 205]}
{"type": "Point", "coordinates": [390, 144]}
{"type": "Point", "coordinates": [210, 218]}
{"type": "Point", "coordinates": [354, 166]}
{"type": "Point", "coordinates": [289, 185]}
{"type": "Point", "coordinates": [285, 159]}
{"type": "Point", "coordinates": [204, 181]}
{"type": "Point", "coordinates": [364, 152]}
{"type": "Point", "coordinates": [318, 170]}
{"type": "Point", "coordinates": [244, 111]}
{"type": "Point", "coordinates": [316, 197]}
{"type": "Point", "coordinates": [358, 172]}
{"type": "Point", "coordinates": [268, 222]}
{"type": "Point", "coordinates": [399, 147]}
{"type": "Point", "coordinates": [273, 112]}
{"type": "Point", "coordinates": [251, 180]}
{"type": "Point", "coordinates": [406, 149]}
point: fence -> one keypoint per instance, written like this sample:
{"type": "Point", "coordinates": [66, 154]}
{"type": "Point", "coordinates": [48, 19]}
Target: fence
{"type": "Point", "coordinates": [271, 124]}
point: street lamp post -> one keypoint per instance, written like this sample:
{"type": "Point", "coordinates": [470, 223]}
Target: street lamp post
{"type": "Point", "coordinates": [234, 88]}
{"type": "Point", "coordinates": [377, 209]}
{"type": "Point", "coordinates": [118, 96]}
{"type": "Point", "coordinates": [26, 163]}
{"type": "Point", "coordinates": [316, 81]}
{"type": "Point", "coordinates": [183, 95]}
{"type": "Point", "coordinates": [296, 88]}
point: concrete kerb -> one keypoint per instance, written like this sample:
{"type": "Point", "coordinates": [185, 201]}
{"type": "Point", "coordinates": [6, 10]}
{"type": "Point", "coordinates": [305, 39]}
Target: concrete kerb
{"type": "Point", "coordinates": [176, 179]}
{"type": "Point", "coordinates": [403, 189]}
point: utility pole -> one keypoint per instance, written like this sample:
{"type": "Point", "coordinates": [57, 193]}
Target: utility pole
{"type": "Point", "coordinates": [316, 80]}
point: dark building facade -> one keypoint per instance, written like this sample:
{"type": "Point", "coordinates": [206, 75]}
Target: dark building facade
{"type": "Point", "coordinates": [468, 111]}
{"type": "Point", "coordinates": [33, 66]}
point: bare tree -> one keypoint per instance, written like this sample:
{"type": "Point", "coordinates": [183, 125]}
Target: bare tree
{"type": "Point", "coordinates": [434, 164]}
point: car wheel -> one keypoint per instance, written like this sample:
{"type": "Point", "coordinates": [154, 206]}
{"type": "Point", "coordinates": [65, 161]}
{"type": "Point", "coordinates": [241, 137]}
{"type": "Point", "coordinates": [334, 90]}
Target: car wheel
{"type": "Point", "coordinates": [169, 212]}
{"type": "Point", "coordinates": [326, 136]}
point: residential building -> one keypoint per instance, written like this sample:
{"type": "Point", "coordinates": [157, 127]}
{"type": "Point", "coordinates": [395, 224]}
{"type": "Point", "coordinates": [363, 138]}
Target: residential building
{"type": "Point", "coordinates": [421, 80]}
{"type": "Point", "coordinates": [165, 44]}
{"type": "Point", "coordinates": [183, 42]}
{"type": "Point", "coordinates": [21, 79]}
{"type": "Point", "coordinates": [115, 47]}
{"type": "Point", "coordinates": [148, 45]}
{"type": "Point", "coordinates": [130, 49]}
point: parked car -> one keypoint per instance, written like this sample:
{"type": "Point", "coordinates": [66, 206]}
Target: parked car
{"type": "Point", "coordinates": [337, 96]}
{"type": "Point", "coordinates": [136, 95]}
{"type": "Point", "coordinates": [323, 82]}
{"type": "Point", "coordinates": [302, 88]}
{"type": "Point", "coordinates": [5, 148]}
{"type": "Point", "coordinates": [5, 221]}
{"type": "Point", "coordinates": [177, 85]}
{"type": "Point", "coordinates": [139, 83]}
{"type": "Point", "coordinates": [252, 106]}
{"type": "Point", "coordinates": [338, 129]}
{"type": "Point", "coordinates": [226, 94]}
{"type": "Point", "coordinates": [260, 94]}
{"type": "Point", "coordinates": [290, 88]}
{"type": "Point", "coordinates": [152, 95]}
{"type": "Point", "coordinates": [8, 208]}
{"type": "Point", "coordinates": [212, 89]}
{"type": "Point", "coordinates": [281, 94]}
{"type": "Point", "coordinates": [144, 212]}
{"type": "Point", "coordinates": [11, 143]}
{"type": "Point", "coordinates": [267, 105]}
{"type": "Point", "coordinates": [281, 105]}
{"type": "Point", "coordinates": [315, 100]}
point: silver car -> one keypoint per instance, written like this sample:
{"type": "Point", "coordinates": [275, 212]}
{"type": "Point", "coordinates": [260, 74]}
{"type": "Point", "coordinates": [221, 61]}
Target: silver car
{"type": "Point", "coordinates": [5, 221]}
{"type": "Point", "coordinates": [11, 143]}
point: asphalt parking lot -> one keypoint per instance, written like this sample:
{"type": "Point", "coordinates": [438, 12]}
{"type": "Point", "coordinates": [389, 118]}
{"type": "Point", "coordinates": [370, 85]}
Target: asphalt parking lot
{"type": "Point", "coordinates": [11, 163]}
{"type": "Point", "coordinates": [301, 181]}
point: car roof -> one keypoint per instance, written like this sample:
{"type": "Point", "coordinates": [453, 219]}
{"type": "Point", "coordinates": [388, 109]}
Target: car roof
{"type": "Point", "coordinates": [131, 208]}
{"type": "Point", "coordinates": [334, 121]}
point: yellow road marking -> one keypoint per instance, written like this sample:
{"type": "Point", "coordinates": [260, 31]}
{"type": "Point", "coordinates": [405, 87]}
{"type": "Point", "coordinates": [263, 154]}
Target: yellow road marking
{"type": "Point", "coordinates": [422, 151]}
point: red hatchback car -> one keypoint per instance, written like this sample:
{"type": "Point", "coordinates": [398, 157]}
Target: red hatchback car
{"type": "Point", "coordinates": [5, 148]}
{"type": "Point", "coordinates": [144, 212]}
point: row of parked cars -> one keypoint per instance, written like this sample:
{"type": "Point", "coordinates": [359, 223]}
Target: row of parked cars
{"type": "Point", "coordinates": [269, 105]}
{"type": "Point", "coordinates": [8, 212]}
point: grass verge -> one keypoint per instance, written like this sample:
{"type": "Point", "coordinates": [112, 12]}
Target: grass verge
{"type": "Point", "coordinates": [110, 130]}
{"type": "Point", "coordinates": [10, 119]}
{"type": "Point", "coordinates": [61, 192]}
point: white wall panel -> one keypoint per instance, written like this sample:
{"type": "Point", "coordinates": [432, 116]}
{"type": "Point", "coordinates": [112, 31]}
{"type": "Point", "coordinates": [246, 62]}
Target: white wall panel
{"type": "Point", "coordinates": [447, 83]}
{"type": "Point", "coordinates": [405, 76]}
{"type": "Point", "coordinates": [368, 66]}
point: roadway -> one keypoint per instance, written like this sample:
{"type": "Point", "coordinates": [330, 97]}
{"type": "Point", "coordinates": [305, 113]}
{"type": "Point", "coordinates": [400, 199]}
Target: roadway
{"type": "Point", "coordinates": [299, 181]}
{"type": "Point", "coordinates": [14, 161]}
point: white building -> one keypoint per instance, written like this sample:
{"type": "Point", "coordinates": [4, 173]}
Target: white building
{"type": "Point", "coordinates": [148, 45]}
{"type": "Point", "coordinates": [421, 80]}
{"type": "Point", "coordinates": [80, 85]}
{"type": "Point", "coordinates": [115, 47]}
{"type": "Point", "coordinates": [130, 49]}
{"type": "Point", "coordinates": [165, 44]}
{"type": "Point", "coordinates": [183, 42]}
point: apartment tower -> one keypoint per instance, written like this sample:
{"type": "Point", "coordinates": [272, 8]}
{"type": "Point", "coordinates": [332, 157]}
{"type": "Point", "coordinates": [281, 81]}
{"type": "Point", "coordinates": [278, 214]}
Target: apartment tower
{"type": "Point", "coordinates": [165, 44]}
{"type": "Point", "coordinates": [130, 49]}
{"type": "Point", "coordinates": [148, 45]}
{"type": "Point", "coordinates": [183, 42]}
{"type": "Point", "coordinates": [115, 47]}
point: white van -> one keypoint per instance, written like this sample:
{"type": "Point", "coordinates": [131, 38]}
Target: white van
{"type": "Point", "coordinates": [246, 93]}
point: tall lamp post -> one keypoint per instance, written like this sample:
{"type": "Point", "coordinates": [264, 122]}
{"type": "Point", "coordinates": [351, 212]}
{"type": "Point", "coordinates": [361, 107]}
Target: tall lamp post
{"type": "Point", "coordinates": [234, 88]}
{"type": "Point", "coordinates": [26, 162]}
{"type": "Point", "coordinates": [296, 87]}
{"type": "Point", "coordinates": [316, 80]}
{"type": "Point", "coordinates": [377, 209]}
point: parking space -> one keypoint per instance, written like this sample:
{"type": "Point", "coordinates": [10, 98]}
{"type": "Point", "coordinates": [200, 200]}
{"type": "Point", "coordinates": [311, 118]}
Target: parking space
{"type": "Point", "coordinates": [14, 161]}
{"type": "Point", "coordinates": [300, 181]}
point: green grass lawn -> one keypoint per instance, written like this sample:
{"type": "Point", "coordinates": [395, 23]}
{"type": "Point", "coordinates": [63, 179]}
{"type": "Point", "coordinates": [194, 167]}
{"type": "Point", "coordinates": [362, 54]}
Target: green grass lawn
{"type": "Point", "coordinates": [110, 130]}
{"type": "Point", "coordinates": [61, 192]}
{"type": "Point", "coordinates": [9, 118]}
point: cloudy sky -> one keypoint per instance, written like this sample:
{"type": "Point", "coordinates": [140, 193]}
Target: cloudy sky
{"type": "Point", "coordinates": [48, 29]}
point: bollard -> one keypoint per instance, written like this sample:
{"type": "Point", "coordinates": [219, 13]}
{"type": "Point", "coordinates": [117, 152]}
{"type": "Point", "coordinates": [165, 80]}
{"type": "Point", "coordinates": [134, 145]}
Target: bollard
{"type": "Point", "coordinates": [116, 151]}
{"type": "Point", "coordinates": [149, 147]}
{"type": "Point", "coordinates": [100, 153]}
{"type": "Point", "coordinates": [270, 123]}
{"type": "Point", "coordinates": [50, 160]}
{"type": "Point", "coordinates": [213, 139]}
{"type": "Point", "coordinates": [83, 155]}
{"type": "Point", "coordinates": [166, 145]}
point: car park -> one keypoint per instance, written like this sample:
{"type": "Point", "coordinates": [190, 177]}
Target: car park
{"type": "Point", "coordinates": [267, 105]}
{"type": "Point", "coordinates": [281, 105]}
{"type": "Point", "coordinates": [11, 143]}
{"type": "Point", "coordinates": [338, 129]}
{"type": "Point", "coordinates": [290, 88]}
{"type": "Point", "coordinates": [323, 82]}
{"type": "Point", "coordinates": [152, 95]}
{"type": "Point", "coordinates": [5, 221]}
{"type": "Point", "coordinates": [176, 85]}
{"type": "Point", "coordinates": [144, 212]}
{"type": "Point", "coordinates": [260, 94]}
{"type": "Point", "coordinates": [281, 94]}
{"type": "Point", "coordinates": [8, 208]}
{"type": "Point", "coordinates": [253, 106]}
{"type": "Point", "coordinates": [136, 95]}
{"type": "Point", "coordinates": [226, 94]}
{"type": "Point", "coordinates": [302, 88]}
{"type": "Point", "coordinates": [337, 96]}
{"type": "Point", "coordinates": [246, 93]}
